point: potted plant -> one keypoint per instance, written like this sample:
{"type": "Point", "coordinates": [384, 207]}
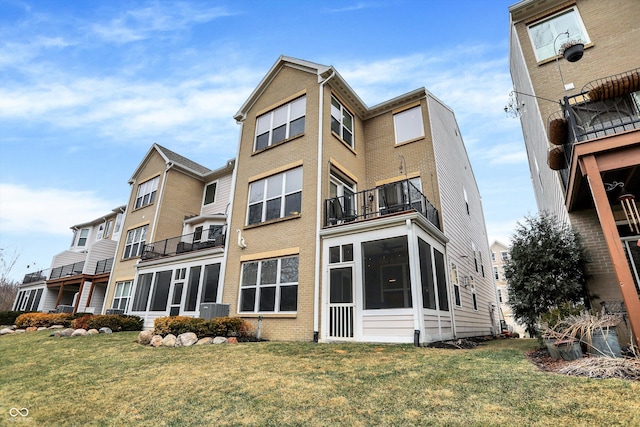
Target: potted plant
{"type": "Point", "coordinates": [597, 331]}
{"type": "Point", "coordinates": [572, 50]}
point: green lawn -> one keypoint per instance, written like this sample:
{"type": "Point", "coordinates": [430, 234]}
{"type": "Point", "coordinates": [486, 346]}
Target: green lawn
{"type": "Point", "coordinates": [109, 380]}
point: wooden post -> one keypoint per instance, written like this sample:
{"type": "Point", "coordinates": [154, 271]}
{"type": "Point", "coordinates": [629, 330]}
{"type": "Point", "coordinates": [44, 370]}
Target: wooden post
{"type": "Point", "coordinates": [612, 239]}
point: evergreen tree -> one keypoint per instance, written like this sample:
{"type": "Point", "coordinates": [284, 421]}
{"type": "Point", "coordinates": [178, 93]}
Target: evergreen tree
{"type": "Point", "coordinates": [546, 268]}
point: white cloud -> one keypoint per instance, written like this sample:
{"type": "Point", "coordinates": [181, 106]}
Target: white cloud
{"type": "Point", "coordinates": [32, 212]}
{"type": "Point", "coordinates": [505, 154]}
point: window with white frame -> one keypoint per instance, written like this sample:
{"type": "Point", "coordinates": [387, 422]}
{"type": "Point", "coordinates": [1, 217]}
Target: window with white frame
{"type": "Point", "coordinates": [277, 196]}
{"type": "Point", "coordinates": [122, 295]}
{"type": "Point", "coordinates": [269, 285]}
{"type": "Point", "coordinates": [107, 229]}
{"type": "Point", "coordinates": [135, 242]}
{"type": "Point", "coordinates": [342, 193]}
{"type": "Point", "coordinates": [82, 237]}
{"type": "Point", "coordinates": [147, 192]}
{"type": "Point", "coordinates": [456, 285]}
{"type": "Point", "coordinates": [475, 255]}
{"type": "Point", "coordinates": [496, 275]}
{"type": "Point", "coordinates": [505, 255]}
{"type": "Point", "coordinates": [28, 300]}
{"type": "Point", "coordinates": [341, 121]}
{"type": "Point", "coordinates": [280, 124]}
{"type": "Point", "coordinates": [544, 34]}
{"type": "Point", "coordinates": [499, 295]}
{"type": "Point", "coordinates": [473, 293]}
{"type": "Point", "coordinates": [408, 125]}
{"type": "Point", "coordinates": [210, 193]}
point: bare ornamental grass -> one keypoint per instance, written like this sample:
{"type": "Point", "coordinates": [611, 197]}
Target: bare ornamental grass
{"type": "Point", "coordinates": [109, 380]}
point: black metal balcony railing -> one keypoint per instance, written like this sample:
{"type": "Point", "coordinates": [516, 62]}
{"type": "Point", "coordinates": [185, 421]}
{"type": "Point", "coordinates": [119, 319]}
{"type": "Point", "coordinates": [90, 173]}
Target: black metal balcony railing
{"type": "Point", "coordinates": [205, 239]}
{"type": "Point", "coordinates": [67, 270]}
{"type": "Point", "coordinates": [104, 266]}
{"type": "Point", "coordinates": [605, 107]}
{"type": "Point", "coordinates": [380, 201]}
{"type": "Point", "coordinates": [36, 276]}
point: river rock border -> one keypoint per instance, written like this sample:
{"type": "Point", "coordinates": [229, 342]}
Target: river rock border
{"type": "Point", "coordinates": [58, 331]}
{"type": "Point", "coordinates": [187, 339]}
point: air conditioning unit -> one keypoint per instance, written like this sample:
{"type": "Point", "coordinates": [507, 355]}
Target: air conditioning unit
{"type": "Point", "coordinates": [115, 311]}
{"type": "Point", "coordinates": [210, 310]}
{"type": "Point", "coordinates": [65, 308]}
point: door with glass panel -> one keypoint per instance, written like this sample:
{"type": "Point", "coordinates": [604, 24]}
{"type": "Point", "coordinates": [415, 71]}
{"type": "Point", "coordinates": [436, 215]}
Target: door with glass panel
{"type": "Point", "coordinates": [341, 303]}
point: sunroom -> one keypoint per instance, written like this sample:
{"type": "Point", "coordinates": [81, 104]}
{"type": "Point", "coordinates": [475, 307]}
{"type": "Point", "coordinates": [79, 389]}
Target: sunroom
{"type": "Point", "coordinates": [385, 280]}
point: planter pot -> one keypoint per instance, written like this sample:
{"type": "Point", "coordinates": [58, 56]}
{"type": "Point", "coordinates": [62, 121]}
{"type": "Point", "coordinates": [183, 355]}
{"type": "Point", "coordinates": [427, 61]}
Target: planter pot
{"type": "Point", "coordinates": [556, 158]}
{"type": "Point", "coordinates": [604, 343]}
{"type": "Point", "coordinates": [569, 349]}
{"type": "Point", "coordinates": [574, 53]}
{"type": "Point", "coordinates": [558, 131]}
{"type": "Point", "coordinates": [551, 347]}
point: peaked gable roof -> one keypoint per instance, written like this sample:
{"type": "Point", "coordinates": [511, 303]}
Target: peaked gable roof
{"type": "Point", "coordinates": [186, 165]}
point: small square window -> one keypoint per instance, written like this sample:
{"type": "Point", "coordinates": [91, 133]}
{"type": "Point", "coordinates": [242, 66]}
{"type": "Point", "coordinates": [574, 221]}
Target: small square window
{"type": "Point", "coordinates": [408, 125]}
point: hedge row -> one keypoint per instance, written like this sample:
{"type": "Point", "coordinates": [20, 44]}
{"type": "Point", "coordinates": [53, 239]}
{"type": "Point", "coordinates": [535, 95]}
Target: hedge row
{"type": "Point", "coordinates": [9, 317]}
{"type": "Point", "coordinates": [116, 322]}
{"type": "Point", "coordinates": [217, 327]}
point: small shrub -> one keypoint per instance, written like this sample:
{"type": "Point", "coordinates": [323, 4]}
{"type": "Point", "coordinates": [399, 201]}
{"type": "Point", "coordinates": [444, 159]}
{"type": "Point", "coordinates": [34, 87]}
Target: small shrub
{"type": "Point", "coordinates": [43, 320]}
{"type": "Point", "coordinates": [115, 322]}
{"type": "Point", "coordinates": [81, 322]}
{"type": "Point", "coordinates": [9, 317]}
{"type": "Point", "coordinates": [217, 327]}
{"type": "Point", "coordinates": [177, 325]}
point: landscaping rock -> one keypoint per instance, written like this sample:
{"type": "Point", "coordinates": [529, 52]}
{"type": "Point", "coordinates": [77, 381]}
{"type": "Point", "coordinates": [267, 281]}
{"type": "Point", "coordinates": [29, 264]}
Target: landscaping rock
{"type": "Point", "coordinates": [187, 339]}
{"type": "Point", "coordinates": [105, 330]}
{"type": "Point", "coordinates": [19, 331]}
{"type": "Point", "coordinates": [169, 341]}
{"type": "Point", "coordinates": [232, 340]}
{"type": "Point", "coordinates": [6, 331]}
{"type": "Point", "coordinates": [42, 328]}
{"type": "Point", "coordinates": [66, 333]}
{"type": "Point", "coordinates": [79, 333]}
{"type": "Point", "coordinates": [144, 337]}
{"type": "Point", "coordinates": [56, 327]}
{"type": "Point", "coordinates": [156, 341]}
{"type": "Point", "coordinates": [92, 332]}
{"type": "Point", "coordinates": [31, 329]}
{"type": "Point", "coordinates": [220, 340]}
{"type": "Point", "coordinates": [205, 340]}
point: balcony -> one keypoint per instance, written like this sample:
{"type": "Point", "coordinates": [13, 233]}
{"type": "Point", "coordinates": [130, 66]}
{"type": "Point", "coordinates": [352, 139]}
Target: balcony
{"type": "Point", "coordinates": [104, 266]}
{"type": "Point", "coordinates": [36, 276]}
{"type": "Point", "coordinates": [606, 107]}
{"type": "Point", "coordinates": [203, 239]}
{"type": "Point", "coordinates": [384, 200]}
{"type": "Point", "coordinates": [67, 270]}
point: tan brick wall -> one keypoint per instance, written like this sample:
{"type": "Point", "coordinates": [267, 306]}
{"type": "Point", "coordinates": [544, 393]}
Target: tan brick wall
{"type": "Point", "coordinates": [602, 280]}
{"type": "Point", "coordinates": [614, 29]}
{"type": "Point", "coordinates": [287, 233]}
{"type": "Point", "coordinates": [182, 196]}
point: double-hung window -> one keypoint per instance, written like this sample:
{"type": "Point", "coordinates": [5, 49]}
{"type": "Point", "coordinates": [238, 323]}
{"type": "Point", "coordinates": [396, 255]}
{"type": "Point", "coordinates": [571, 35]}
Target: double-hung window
{"type": "Point", "coordinates": [135, 242]}
{"type": "Point", "coordinates": [147, 192]}
{"type": "Point", "coordinates": [546, 36]}
{"type": "Point", "coordinates": [277, 196]}
{"type": "Point", "coordinates": [122, 295]}
{"type": "Point", "coordinates": [341, 122]}
{"type": "Point", "coordinates": [82, 239]}
{"type": "Point", "coordinates": [282, 123]}
{"type": "Point", "coordinates": [408, 125]}
{"type": "Point", "coordinates": [269, 285]}
{"type": "Point", "coordinates": [210, 193]}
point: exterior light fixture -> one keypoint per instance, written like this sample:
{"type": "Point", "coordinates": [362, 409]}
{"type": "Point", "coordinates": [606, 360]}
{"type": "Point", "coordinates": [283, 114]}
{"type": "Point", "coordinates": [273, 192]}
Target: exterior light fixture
{"type": "Point", "coordinates": [628, 202]}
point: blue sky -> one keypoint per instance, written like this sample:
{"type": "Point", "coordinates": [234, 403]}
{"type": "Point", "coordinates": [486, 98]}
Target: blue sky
{"type": "Point", "coordinates": [87, 87]}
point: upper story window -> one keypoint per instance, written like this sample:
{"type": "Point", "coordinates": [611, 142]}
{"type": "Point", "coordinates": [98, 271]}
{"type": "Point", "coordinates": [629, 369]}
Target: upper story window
{"type": "Point", "coordinates": [408, 125]}
{"type": "Point", "coordinates": [505, 255]}
{"type": "Point", "coordinates": [107, 229]}
{"type": "Point", "coordinates": [135, 242]}
{"type": "Point", "coordinates": [82, 237]}
{"type": "Point", "coordinates": [210, 193]}
{"type": "Point", "coordinates": [282, 123]}
{"type": "Point", "coordinates": [147, 192]}
{"type": "Point", "coordinates": [544, 34]}
{"type": "Point", "coordinates": [341, 121]}
{"type": "Point", "coordinates": [277, 196]}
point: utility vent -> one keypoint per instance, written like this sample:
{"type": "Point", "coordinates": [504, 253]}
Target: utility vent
{"type": "Point", "coordinates": [211, 309]}
{"type": "Point", "coordinates": [115, 311]}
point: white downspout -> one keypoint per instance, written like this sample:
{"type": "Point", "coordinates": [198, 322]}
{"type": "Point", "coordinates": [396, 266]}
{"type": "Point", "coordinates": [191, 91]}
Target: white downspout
{"type": "Point", "coordinates": [316, 288]}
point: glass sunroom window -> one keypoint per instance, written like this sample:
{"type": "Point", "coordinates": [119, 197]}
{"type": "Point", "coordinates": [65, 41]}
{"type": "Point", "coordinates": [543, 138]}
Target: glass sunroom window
{"type": "Point", "coordinates": [387, 283]}
{"type": "Point", "coordinates": [282, 123]}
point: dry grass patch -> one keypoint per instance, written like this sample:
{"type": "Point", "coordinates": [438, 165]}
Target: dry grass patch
{"type": "Point", "coordinates": [111, 380]}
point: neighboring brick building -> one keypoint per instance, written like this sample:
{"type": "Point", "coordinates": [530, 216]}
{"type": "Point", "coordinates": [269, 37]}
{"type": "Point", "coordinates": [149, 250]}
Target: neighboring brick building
{"type": "Point", "coordinates": [584, 150]}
